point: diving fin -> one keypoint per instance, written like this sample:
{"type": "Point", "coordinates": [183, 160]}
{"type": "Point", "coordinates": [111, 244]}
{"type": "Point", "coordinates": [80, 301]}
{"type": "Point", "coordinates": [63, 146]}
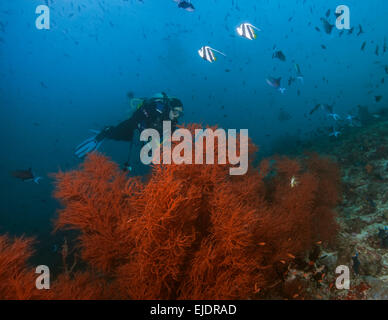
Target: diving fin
{"type": "Point", "coordinates": [89, 145]}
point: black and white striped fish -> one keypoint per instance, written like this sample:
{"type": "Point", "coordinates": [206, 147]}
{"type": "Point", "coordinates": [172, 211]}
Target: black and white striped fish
{"type": "Point", "coordinates": [247, 30]}
{"type": "Point", "coordinates": [207, 54]}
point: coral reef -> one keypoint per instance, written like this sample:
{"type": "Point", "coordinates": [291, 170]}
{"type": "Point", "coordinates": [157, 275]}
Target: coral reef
{"type": "Point", "coordinates": [17, 281]}
{"type": "Point", "coordinates": [191, 231]}
{"type": "Point", "coordinates": [363, 212]}
{"type": "Point", "coordinates": [364, 209]}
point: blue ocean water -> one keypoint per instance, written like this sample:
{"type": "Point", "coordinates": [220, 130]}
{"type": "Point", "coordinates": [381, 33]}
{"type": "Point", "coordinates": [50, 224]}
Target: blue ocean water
{"type": "Point", "coordinates": [57, 84]}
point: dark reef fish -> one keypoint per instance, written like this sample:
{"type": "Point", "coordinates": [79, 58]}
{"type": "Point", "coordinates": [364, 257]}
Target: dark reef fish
{"type": "Point", "coordinates": [299, 74]}
{"type": "Point", "coordinates": [283, 115]}
{"type": "Point", "coordinates": [383, 236]}
{"type": "Point", "coordinates": [329, 108]}
{"type": "Point", "coordinates": [356, 263]}
{"type": "Point", "coordinates": [363, 46]}
{"type": "Point", "coordinates": [130, 95]}
{"type": "Point", "coordinates": [360, 31]}
{"type": "Point", "coordinates": [327, 26]}
{"type": "Point", "coordinates": [186, 5]}
{"type": "Point", "coordinates": [25, 175]}
{"type": "Point", "coordinates": [291, 80]}
{"type": "Point", "coordinates": [315, 108]}
{"type": "Point", "coordinates": [275, 83]}
{"type": "Point", "coordinates": [377, 50]}
{"type": "Point", "coordinates": [279, 55]}
{"type": "Point", "coordinates": [325, 107]}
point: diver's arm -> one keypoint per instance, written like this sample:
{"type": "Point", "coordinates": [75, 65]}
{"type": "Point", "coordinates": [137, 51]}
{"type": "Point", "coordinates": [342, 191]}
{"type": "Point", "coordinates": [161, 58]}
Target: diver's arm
{"type": "Point", "coordinates": [122, 132]}
{"type": "Point", "coordinates": [141, 119]}
{"type": "Point", "coordinates": [125, 130]}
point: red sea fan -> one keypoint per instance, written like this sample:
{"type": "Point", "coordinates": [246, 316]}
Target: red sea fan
{"type": "Point", "coordinates": [95, 203]}
{"type": "Point", "coordinates": [17, 280]}
{"type": "Point", "coordinates": [327, 174]}
{"type": "Point", "coordinates": [175, 217]}
{"type": "Point", "coordinates": [225, 265]}
{"type": "Point", "coordinates": [79, 286]}
{"type": "Point", "coordinates": [194, 231]}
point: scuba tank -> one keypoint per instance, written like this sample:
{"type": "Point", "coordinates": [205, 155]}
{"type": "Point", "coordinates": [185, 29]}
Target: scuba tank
{"type": "Point", "coordinates": [134, 104]}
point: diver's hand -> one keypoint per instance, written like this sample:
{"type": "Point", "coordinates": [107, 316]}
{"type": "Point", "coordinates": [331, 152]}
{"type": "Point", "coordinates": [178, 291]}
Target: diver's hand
{"type": "Point", "coordinates": [91, 144]}
{"type": "Point", "coordinates": [101, 135]}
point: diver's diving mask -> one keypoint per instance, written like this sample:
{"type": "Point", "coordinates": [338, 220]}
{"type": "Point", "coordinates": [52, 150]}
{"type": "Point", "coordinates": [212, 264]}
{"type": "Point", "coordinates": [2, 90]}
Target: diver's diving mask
{"type": "Point", "coordinates": [176, 112]}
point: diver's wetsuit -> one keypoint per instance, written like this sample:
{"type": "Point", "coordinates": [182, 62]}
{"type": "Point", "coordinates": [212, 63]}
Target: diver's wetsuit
{"type": "Point", "coordinates": [151, 114]}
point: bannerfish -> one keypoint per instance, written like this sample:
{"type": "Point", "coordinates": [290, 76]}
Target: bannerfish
{"type": "Point", "coordinates": [25, 175]}
{"type": "Point", "coordinates": [279, 55]}
{"type": "Point", "coordinates": [275, 83]}
{"type": "Point", "coordinates": [247, 30]}
{"type": "Point", "coordinates": [206, 53]}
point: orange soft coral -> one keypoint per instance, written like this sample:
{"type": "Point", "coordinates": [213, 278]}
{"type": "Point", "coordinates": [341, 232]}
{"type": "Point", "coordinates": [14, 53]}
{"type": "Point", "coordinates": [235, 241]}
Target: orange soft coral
{"type": "Point", "coordinates": [194, 231]}
{"type": "Point", "coordinates": [79, 286]}
{"type": "Point", "coordinates": [95, 203]}
{"type": "Point", "coordinates": [17, 281]}
{"type": "Point", "coordinates": [188, 232]}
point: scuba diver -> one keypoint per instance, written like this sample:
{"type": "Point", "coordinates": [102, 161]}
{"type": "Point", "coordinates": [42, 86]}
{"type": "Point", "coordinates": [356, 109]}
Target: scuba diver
{"type": "Point", "coordinates": [149, 113]}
